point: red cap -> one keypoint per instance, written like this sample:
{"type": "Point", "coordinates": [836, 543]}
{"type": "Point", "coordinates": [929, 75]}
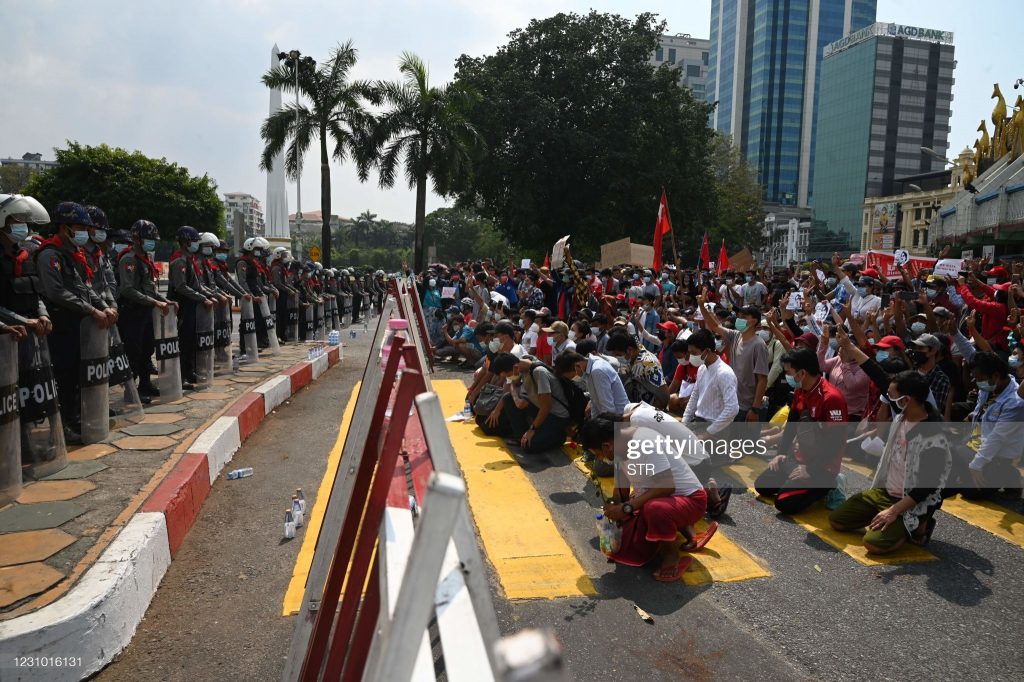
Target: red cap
{"type": "Point", "coordinates": [669, 327]}
{"type": "Point", "coordinates": [871, 272]}
{"type": "Point", "coordinates": [998, 271]}
{"type": "Point", "coordinates": [807, 339]}
{"type": "Point", "coordinates": [891, 342]}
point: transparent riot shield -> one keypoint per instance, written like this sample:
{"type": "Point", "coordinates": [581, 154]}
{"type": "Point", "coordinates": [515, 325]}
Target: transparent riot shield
{"type": "Point", "coordinates": [94, 373]}
{"type": "Point", "coordinates": [247, 332]}
{"type": "Point", "coordinates": [204, 346]}
{"type": "Point", "coordinates": [168, 354]}
{"type": "Point", "coordinates": [346, 312]}
{"type": "Point", "coordinates": [125, 405]}
{"type": "Point", "coordinates": [271, 321]}
{"type": "Point", "coordinates": [318, 320]}
{"type": "Point", "coordinates": [43, 451]}
{"type": "Point", "coordinates": [335, 319]}
{"type": "Point", "coordinates": [222, 338]}
{"type": "Point", "coordinates": [309, 323]}
{"type": "Point", "coordinates": [293, 317]}
{"type": "Point", "coordinates": [10, 438]}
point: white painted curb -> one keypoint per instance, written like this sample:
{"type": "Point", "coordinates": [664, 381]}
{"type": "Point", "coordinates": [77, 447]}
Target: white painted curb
{"type": "Point", "coordinates": [97, 619]}
{"type": "Point", "coordinates": [320, 365]}
{"type": "Point", "coordinates": [275, 392]}
{"type": "Point", "coordinates": [218, 442]}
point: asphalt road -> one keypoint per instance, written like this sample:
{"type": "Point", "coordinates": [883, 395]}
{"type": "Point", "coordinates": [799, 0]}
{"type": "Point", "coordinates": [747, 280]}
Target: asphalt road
{"type": "Point", "coordinates": [217, 613]}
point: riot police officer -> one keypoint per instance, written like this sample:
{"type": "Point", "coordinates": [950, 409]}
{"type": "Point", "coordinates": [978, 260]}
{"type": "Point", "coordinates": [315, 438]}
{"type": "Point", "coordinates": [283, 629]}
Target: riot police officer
{"type": "Point", "coordinates": [251, 277]}
{"type": "Point", "coordinates": [279, 280]}
{"type": "Point", "coordinates": [137, 297]}
{"type": "Point", "coordinates": [186, 289]}
{"type": "Point", "coordinates": [104, 282]}
{"type": "Point", "coordinates": [66, 277]}
{"type": "Point", "coordinates": [20, 304]}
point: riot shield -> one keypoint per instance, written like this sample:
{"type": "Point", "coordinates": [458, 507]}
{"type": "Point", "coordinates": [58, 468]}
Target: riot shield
{"type": "Point", "coordinates": [308, 319]}
{"type": "Point", "coordinates": [293, 318]}
{"type": "Point", "coordinates": [346, 311]}
{"type": "Point", "coordinates": [222, 338]}
{"type": "Point", "coordinates": [204, 346]}
{"type": "Point", "coordinates": [125, 406]}
{"type": "Point", "coordinates": [168, 354]}
{"type": "Point", "coordinates": [43, 451]}
{"type": "Point", "coordinates": [247, 332]}
{"type": "Point", "coordinates": [318, 321]}
{"type": "Point", "coordinates": [10, 439]}
{"type": "Point", "coordinates": [94, 373]}
{"type": "Point", "coordinates": [270, 320]}
{"type": "Point", "coordinates": [335, 323]}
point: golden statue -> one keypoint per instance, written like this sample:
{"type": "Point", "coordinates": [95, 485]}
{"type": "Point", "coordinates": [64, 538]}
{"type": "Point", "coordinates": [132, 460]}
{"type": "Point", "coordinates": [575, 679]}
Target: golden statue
{"type": "Point", "coordinates": [968, 175]}
{"type": "Point", "coordinates": [998, 123]}
{"type": "Point", "coordinates": [1015, 130]}
{"type": "Point", "coordinates": [982, 146]}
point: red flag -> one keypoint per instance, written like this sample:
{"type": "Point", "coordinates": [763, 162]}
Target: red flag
{"type": "Point", "coordinates": [705, 255]}
{"type": "Point", "coordinates": [723, 259]}
{"type": "Point", "coordinates": [661, 227]}
{"type": "Point", "coordinates": [547, 259]}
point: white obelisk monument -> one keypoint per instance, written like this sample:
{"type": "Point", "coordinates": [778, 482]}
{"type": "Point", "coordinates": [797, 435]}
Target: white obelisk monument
{"type": "Point", "coordinates": [276, 216]}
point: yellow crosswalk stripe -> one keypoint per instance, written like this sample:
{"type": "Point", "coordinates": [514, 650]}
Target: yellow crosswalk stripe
{"type": "Point", "coordinates": [529, 554]}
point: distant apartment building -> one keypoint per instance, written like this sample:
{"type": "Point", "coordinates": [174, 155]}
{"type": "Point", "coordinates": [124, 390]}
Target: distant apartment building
{"type": "Point", "coordinates": [687, 55]}
{"type": "Point", "coordinates": [17, 172]}
{"type": "Point", "coordinates": [251, 210]}
{"type": "Point", "coordinates": [31, 161]}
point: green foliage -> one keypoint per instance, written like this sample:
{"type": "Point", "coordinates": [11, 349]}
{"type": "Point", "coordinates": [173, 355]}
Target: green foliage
{"type": "Point", "coordinates": [129, 186]}
{"type": "Point", "coordinates": [14, 178]}
{"type": "Point", "coordinates": [739, 217]}
{"type": "Point", "coordinates": [583, 133]}
{"type": "Point", "coordinates": [462, 235]}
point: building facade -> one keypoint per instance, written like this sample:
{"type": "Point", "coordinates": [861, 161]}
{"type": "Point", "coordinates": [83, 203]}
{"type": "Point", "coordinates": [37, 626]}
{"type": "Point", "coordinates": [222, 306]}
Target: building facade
{"type": "Point", "coordinates": [687, 55]}
{"type": "Point", "coordinates": [763, 72]}
{"type": "Point", "coordinates": [886, 91]}
{"type": "Point", "coordinates": [30, 161]}
{"type": "Point", "coordinates": [251, 210]}
{"type": "Point", "coordinates": [786, 235]}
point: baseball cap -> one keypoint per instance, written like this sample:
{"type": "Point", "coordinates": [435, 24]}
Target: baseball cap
{"type": "Point", "coordinates": [940, 311]}
{"type": "Point", "coordinates": [558, 327]}
{"type": "Point", "coordinates": [894, 342]}
{"type": "Point", "coordinates": [997, 271]}
{"type": "Point", "coordinates": [670, 328]}
{"type": "Point", "coordinates": [807, 339]}
{"type": "Point", "coordinates": [928, 341]}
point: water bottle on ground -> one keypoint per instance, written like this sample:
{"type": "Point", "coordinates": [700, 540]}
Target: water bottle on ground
{"type": "Point", "coordinates": [467, 411]}
{"type": "Point", "coordinates": [289, 524]}
{"type": "Point", "coordinates": [240, 473]}
{"type": "Point", "coordinates": [297, 512]}
{"type": "Point", "coordinates": [302, 499]}
{"type": "Point", "coordinates": [609, 535]}
{"type": "Point", "coordinates": [366, 328]}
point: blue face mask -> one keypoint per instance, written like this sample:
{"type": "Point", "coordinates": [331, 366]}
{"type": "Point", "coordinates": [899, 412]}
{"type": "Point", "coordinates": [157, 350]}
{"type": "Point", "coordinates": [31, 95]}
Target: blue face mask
{"type": "Point", "coordinates": [647, 280]}
{"type": "Point", "coordinates": [741, 325]}
{"type": "Point", "coordinates": [985, 386]}
{"type": "Point", "coordinates": [222, 257]}
{"type": "Point", "coordinates": [149, 245]}
{"type": "Point", "coordinates": [791, 380]}
{"type": "Point", "coordinates": [719, 345]}
{"type": "Point", "coordinates": [932, 293]}
{"type": "Point", "coordinates": [207, 251]}
{"type": "Point", "coordinates": [881, 355]}
{"type": "Point", "coordinates": [918, 327]}
{"type": "Point", "coordinates": [193, 247]}
{"type": "Point", "coordinates": [862, 291]}
{"type": "Point", "coordinates": [99, 236]}
{"type": "Point", "coordinates": [19, 231]}
{"type": "Point", "coordinates": [1014, 361]}
{"type": "Point", "coordinates": [121, 248]}
{"type": "Point", "coordinates": [80, 237]}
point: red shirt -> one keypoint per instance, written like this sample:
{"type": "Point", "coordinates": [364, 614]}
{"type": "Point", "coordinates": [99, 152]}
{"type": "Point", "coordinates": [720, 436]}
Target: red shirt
{"type": "Point", "coordinates": [824, 403]}
{"type": "Point", "coordinates": [685, 372]}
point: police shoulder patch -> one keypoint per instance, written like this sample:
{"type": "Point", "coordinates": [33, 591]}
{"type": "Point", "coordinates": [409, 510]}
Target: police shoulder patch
{"type": "Point", "coordinates": [55, 263]}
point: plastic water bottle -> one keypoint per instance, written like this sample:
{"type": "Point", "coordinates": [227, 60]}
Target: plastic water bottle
{"type": "Point", "coordinates": [302, 499]}
{"type": "Point", "coordinates": [413, 507]}
{"type": "Point", "coordinates": [467, 411]}
{"type": "Point", "coordinates": [289, 524]}
{"type": "Point", "coordinates": [334, 338]}
{"type": "Point", "coordinates": [365, 327]}
{"type": "Point", "coordinates": [352, 333]}
{"type": "Point", "coordinates": [297, 512]}
{"type": "Point", "coordinates": [240, 473]}
{"type": "Point", "coordinates": [608, 534]}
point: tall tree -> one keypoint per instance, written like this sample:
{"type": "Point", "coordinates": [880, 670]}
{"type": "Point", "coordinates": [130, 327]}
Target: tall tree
{"type": "Point", "coordinates": [583, 133]}
{"type": "Point", "coordinates": [364, 225]}
{"type": "Point", "coordinates": [739, 218]}
{"type": "Point", "coordinates": [336, 112]}
{"type": "Point", "coordinates": [428, 132]}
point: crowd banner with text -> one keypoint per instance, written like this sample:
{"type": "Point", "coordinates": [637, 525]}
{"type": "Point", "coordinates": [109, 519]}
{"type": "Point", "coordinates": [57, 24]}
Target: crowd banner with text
{"type": "Point", "coordinates": [885, 263]}
{"type": "Point", "coordinates": [949, 267]}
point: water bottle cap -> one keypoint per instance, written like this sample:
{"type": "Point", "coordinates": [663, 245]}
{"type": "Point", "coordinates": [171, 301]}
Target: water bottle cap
{"type": "Point", "coordinates": [600, 517]}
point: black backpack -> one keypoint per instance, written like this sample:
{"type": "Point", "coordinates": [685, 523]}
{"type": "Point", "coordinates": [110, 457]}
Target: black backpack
{"type": "Point", "coordinates": [575, 396]}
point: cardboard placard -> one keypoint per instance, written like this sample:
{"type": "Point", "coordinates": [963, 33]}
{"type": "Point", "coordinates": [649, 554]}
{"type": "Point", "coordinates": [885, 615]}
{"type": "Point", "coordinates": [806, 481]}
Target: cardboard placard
{"type": "Point", "coordinates": [742, 261]}
{"type": "Point", "coordinates": [449, 292]}
{"type": "Point", "coordinates": [949, 267]}
{"type": "Point", "coordinates": [796, 301]}
{"type": "Point", "coordinates": [558, 252]}
{"type": "Point", "coordinates": [901, 256]}
{"type": "Point", "coordinates": [525, 264]}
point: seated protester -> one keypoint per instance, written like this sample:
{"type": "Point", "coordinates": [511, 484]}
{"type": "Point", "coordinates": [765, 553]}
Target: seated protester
{"type": "Point", "coordinates": [599, 327]}
{"type": "Point", "coordinates": [588, 348]}
{"type": "Point", "coordinates": [538, 409]}
{"type": "Point", "coordinates": [843, 371]}
{"type": "Point", "coordinates": [748, 358]}
{"type": "Point", "coordinates": [580, 331]}
{"type": "Point", "coordinates": [607, 394]}
{"type": "Point", "coordinates": [560, 341]}
{"type": "Point", "coordinates": [924, 355]}
{"type": "Point", "coordinates": [713, 400]}
{"type": "Point", "coordinates": [449, 332]}
{"type": "Point", "coordinates": [988, 462]}
{"type": "Point", "coordinates": [467, 345]}
{"type": "Point", "coordinates": [531, 330]}
{"type": "Point", "coordinates": [907, 487]}
{"type": "Point", "coordinates": [505, 335]}
{"type": "Point", "coordinates": [994, 310]}
{"type": "Point", "coordinates": [649, 319]}
{"type": "Point", "coordinates": [644, 383]}
{"type": "Point", "coordinates": [798, 477]}
{"type": "Point", "coordinates": [683, 380]}
{"type": "Point", "coordinates": [543, 350]}
{"type": "Point", "coordinates": [653, 509]}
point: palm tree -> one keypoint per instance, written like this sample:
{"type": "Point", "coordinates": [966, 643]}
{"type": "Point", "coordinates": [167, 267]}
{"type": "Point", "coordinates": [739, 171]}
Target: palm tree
{"type": "Point", "coordinates": [428, 132]}
{"type": "Point", "coordinates": [364, 225]}
{"type": "Point", "coordinates": [336, 112]}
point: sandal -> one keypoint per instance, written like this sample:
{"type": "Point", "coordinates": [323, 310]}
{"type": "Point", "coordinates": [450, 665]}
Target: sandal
{"type": "Point", "coordinates": [700, 540]}
{"type": "Point", "coordinates": [684, 563]}
{"type": "Point", "coordinates": [921, 539]}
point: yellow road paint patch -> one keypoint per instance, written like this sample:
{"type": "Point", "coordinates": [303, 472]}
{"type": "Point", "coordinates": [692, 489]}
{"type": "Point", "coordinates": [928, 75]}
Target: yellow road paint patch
{"type": "Point", "coordinates": [988, 516]}
{"type": "Point", "coordinates": [529, 554]}
{"type": "Point", "coordinates": [721, 560]}
{"type": "Point", "coordinates": [297, 585]}
{"type": "Point", "coordinates": [815, 520]}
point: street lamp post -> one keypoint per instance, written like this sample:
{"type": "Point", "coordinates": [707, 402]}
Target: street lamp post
{"type": "Point", "coordinates": [294, 60]}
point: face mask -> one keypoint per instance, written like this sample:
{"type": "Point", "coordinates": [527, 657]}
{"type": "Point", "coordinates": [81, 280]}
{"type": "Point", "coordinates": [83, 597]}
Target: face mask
{"type": "Point", "coordinates": [193, 247]}
{"type": "Point", "coordinates": [664, 276]}
{"type": "Point", "coordinates": [494, 345]}
{"type": "Point", "coordinates": [932, 293]}
{"type": "Point", "coordinates": [647, 280]}
{"type": "Point", "coordinates": [728, 281]}
{"type": "Point", "coordinates": [791, 380]}
{"type": "Point", "coordinates": [862, 291]}
{"type": "Point", "coordinates": [833, 344]}
{"type": "Point", "coordinates": [881, 355]}
{"type": "Point", "coordinates": [431, 283]}
{"type": "Point", "coordinates": [99, 236]}
{"type": "Point", "coordinates": [222, 257]}
{"type": "Point", "coordinates": [207, 251]}
{"type": "Point", "coordinates": [830, 282]}
{"type": "Point", "coordinates": [719, 345]}
{"type": "Point", "coordinates": [149, 245]}
{"type": "Point", "coordinates": [1014, 361]}
{"type": "Point", "coordinates": [695, 360]}
{"type": "Point", "coordinates": [19, 231]}
{"type": "Point", "coordinates": [918, 327]}
{"type": "Point", "coordinates": [80, 237]}
{"type": "Point", "coordinates": [917, 357]}
{"type": "Point", "coordinates": [270, 258]}
{"type": "Point", "coordinates": [765, 335]}
{"type": "Point", "coordinates": [572, 335]}
{"type": "Point", "coordinates": [899, 403]}
{"type": "Point", "coordinates": [991, 281]}
{"type": "Point", "coordinates": [121, 248]}
{"type": "Point", "coordinates": [692, 326]}
{"type": "Point", "coordinates": [985, 386]}
{"type": "Point", "coordinates": [741, 325]}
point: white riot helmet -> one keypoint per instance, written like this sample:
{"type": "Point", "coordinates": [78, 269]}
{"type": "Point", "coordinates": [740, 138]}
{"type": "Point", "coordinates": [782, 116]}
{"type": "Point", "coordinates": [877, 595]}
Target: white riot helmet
{"type": "Point", "coordinates": [260, 243]}
{"type": "Point", "coordinates": [209, 239]}
{"type": "Point", "coordinates": [23, 209]}
{"type": "Point", "coordinates": [379, 273]}
{"type": "Point", "coordinates": [318, 267]}
{"type": "Point", "coordinates": [248, 244]}
{"type": "Point", "coordinates": [280, 252]}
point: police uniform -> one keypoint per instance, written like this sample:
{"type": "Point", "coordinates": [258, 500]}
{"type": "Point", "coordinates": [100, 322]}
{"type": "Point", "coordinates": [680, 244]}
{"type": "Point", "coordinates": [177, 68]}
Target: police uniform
{"type": "Point", "coordinates": [137, 296]}
{"type": "Point", "coordinates": [279, 279]}
{"type": "Point", "coordinates": [186, 289]}
{"type": "Point", "coordinates": [251, 279]}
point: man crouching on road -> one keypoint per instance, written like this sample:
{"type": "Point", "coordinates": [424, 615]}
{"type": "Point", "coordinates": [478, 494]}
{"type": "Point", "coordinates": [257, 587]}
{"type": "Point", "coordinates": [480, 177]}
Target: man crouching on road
{"type": "Point", "coordinates": [667, 498]}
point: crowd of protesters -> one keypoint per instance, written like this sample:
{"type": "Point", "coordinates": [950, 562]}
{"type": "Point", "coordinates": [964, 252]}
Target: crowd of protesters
{"type": "Point", "coordinates": [918, 374]}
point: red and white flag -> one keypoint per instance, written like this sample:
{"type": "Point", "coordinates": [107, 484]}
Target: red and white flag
{"type": "Point", "coordinates": [662, 227]}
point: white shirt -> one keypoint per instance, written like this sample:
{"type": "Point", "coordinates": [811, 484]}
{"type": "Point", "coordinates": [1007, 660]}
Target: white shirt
{"type": "Point", "coordinates": [657, 420]}
{"type": "Point", "coordinates": [558, 350]}
{"type": "Point", "coordinates": [714, 396]}
{"type": "Point", "coordinates": [682, 479]}
{"type": "Point", "coordinates": [530, 337]}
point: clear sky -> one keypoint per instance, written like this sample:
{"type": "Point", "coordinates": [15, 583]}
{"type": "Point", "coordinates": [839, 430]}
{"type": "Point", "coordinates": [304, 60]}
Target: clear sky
{"type": "Point", "coordinates": [181, 78]}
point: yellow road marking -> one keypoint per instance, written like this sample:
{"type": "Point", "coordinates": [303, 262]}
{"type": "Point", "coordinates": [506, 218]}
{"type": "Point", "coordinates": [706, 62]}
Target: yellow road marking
{"type": "Point", "coordinates": [529, 554]}
{"type": "Point", "coordinates": [721, 560]}
{"type": "Point", "coordinates": [988, 516]}
{"type": "Point", "coordinates": [815, 520]}
{"type": "Point", "coordinates": [297, 585]}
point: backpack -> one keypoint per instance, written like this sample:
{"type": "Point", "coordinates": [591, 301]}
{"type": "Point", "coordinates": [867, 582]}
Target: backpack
{"type": "Point", "coordinates": [577, 399]}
